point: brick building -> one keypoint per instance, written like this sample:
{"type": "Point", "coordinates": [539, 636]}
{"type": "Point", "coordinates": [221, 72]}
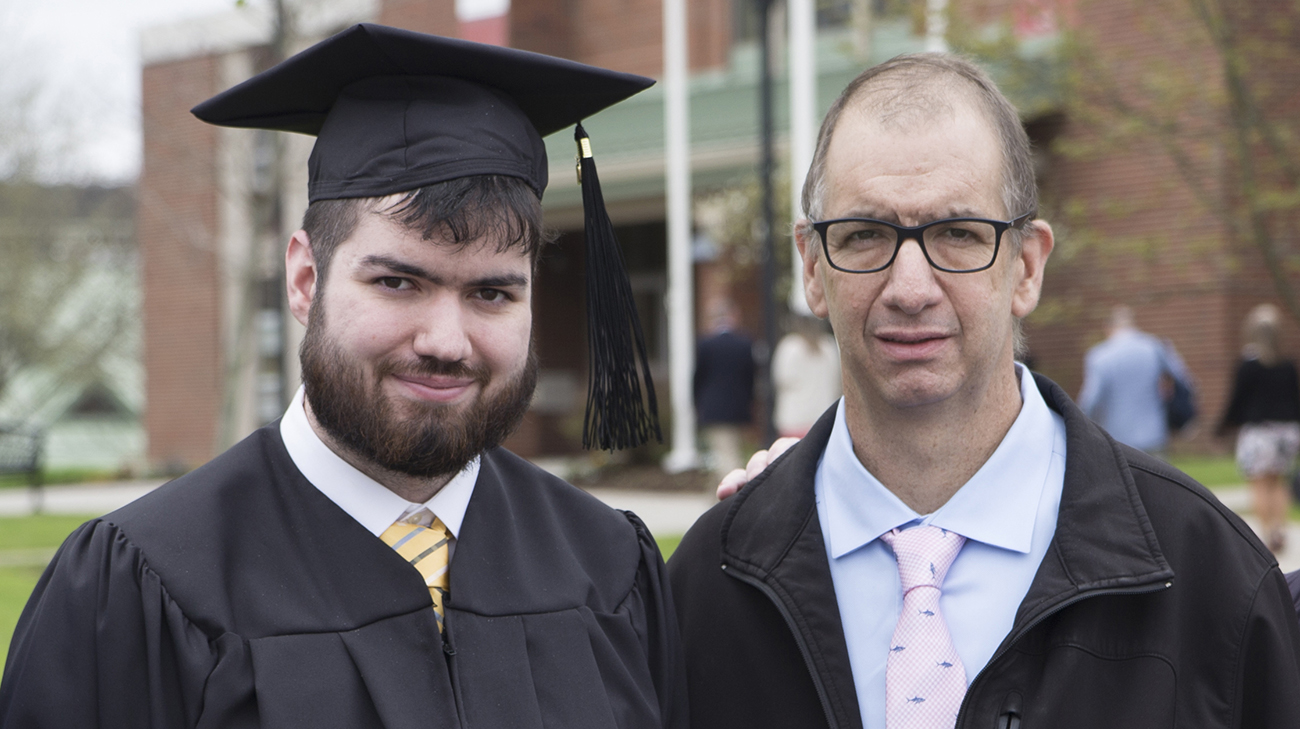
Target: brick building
{"type": "Point", "coordinates": [1144, 186]}
{"type": "Point", "coordinates": [220, 351]}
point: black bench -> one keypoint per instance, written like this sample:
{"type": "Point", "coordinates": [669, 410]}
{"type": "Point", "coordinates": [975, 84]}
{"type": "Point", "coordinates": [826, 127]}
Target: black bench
{"type": "Point", "coordinates": [20, 454]}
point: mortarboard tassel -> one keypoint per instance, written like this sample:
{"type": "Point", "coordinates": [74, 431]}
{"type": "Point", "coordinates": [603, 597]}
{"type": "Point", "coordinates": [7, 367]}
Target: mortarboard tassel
{"type": "Point", "coordinates": [617, 416]}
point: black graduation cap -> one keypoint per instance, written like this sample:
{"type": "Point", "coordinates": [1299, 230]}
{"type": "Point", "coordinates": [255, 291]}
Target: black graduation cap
{"type": "Point", "coordinates": [394, 110]}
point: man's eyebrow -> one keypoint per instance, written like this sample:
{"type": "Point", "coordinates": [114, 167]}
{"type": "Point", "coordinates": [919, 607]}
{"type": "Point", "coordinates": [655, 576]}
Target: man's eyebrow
{"type": "Point", "coordinates": [504, 281]}
{"type": "Point", "coordinates": [396, 266]}
{"type": "Point", "coordinates": [499, 281]}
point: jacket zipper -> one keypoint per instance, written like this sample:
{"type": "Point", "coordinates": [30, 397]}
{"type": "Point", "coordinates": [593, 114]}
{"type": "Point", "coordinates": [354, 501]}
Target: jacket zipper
{"type": "Point", "coordinates": [1142, 590]}
{"type": "Point", "coordinates": [798, 639]}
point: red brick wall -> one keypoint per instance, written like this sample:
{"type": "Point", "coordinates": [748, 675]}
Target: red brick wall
{"type": "Point", "coordinates": [437, 17]}
{"type": "Point", "coordinates": [1273, 30]}
{"type": "Point", "coordinates": [710, 24]}
{"type": "Point", "coordinates": [625, 35]}
{"type": "Point", "coordinates": [1133, 230]}
{"type": "Point", "coordinates": [176, 223]}
{"type": "Point", "coordinates": [1132, 226]}
{"type": "Point", "coordinates": [543, 26]}
{"type": "Point", "coordinates": [494, 31]}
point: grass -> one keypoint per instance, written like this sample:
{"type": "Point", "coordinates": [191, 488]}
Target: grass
{"type": "Point", "coordinates": [16, 582]}
{"type": "Point", "coordinates": [667, 544]}
{"type": "Point", "coordinates": [16, 585]}
{"type": "Point", "coordinates": [60, 476]}
{"type": "Point", "coordinates": [30, 532]}
{"type": "Point", "coordinates": [1212, 471]}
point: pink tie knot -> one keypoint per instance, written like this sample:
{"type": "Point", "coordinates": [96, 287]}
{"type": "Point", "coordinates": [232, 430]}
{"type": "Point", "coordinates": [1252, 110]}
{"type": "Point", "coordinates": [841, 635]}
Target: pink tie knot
{"type": "Point", "coordinates": [924, 554]}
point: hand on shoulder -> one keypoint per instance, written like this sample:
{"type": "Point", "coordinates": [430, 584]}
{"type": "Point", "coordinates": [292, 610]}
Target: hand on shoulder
{"type": "Point", "coordinates": [734, 481]}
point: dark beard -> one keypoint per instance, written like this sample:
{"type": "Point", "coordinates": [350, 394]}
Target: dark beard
{"type": "Point", "coordinates": [434, 439]}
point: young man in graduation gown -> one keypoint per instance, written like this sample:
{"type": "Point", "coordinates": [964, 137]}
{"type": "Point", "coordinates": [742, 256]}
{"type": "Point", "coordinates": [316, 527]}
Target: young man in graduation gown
{"type": "Point", "coordinates": [373, 558]}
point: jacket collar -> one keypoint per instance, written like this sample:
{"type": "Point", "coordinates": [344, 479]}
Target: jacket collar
{"type": "Point", "coordinates": [771, 534]}
{"type": "Point", "coordinates": [771, 529]}
{"type": "Point", "coordinates": [1104, 539]}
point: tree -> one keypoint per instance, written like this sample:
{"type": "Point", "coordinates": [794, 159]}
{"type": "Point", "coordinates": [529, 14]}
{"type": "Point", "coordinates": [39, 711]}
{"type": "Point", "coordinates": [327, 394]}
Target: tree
{"type": "Point", "coordinates": [68, 297]}
{"type": "Point", "coordinates": [1220, 102]}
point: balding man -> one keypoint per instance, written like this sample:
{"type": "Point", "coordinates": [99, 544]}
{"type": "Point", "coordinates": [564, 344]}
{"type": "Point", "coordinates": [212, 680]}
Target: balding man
{"type": "Point", "coordinates": [954, 543]}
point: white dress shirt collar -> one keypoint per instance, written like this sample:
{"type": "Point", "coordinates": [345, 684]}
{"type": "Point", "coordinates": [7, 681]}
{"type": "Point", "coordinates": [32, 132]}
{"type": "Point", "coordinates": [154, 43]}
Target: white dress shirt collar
{"type": "Point", "coordinates": [997, 506]}
{"type": "Point", "coordinates": [363, 498]}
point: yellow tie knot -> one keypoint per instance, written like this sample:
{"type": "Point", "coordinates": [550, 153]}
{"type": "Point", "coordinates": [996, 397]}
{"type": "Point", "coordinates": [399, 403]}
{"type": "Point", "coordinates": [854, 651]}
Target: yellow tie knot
{"type": "Point", "coordinates": [428, 549]}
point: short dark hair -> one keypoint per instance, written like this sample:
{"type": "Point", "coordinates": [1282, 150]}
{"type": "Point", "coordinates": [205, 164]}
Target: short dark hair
{"type": "Point", "coordinates": [457, 212]}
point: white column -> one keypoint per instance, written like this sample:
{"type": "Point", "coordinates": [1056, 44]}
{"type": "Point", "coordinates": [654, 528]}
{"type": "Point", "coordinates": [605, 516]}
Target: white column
{"type": "Point", "coordinates": [936, 25]}
{"type": "Point", "coordinates": [803, 122]}
{"type": "Point", "coordinates": [681, 284]}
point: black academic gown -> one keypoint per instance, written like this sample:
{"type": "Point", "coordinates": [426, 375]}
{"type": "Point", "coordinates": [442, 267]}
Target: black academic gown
{"type": "Point", "coordinates": [240, 596]}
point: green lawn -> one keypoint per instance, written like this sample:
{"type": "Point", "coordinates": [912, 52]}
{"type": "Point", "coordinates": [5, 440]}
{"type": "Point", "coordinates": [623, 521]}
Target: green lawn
{"type": "Point", "coordinates": [1213, 471]}
{"type": "Point", "coordinates": [16, 581]}
{"type": "Point", "coordinates": [667, 544]}
{"type": "Point", "coordinates": [16, 585]}
{"type": "Point", "coordinates": [46, 530]}
{"type": "Point", "coordinates": [60, 476]}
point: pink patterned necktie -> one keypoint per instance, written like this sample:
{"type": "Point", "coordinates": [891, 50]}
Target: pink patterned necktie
{"type": "Point", "coordinates": [924, 678]}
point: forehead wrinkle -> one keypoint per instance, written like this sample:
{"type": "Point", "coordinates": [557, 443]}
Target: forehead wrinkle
{"type": "Point", "coordinates": [939, 180]}
{"type": "Point", "coordinates": [912, 200]}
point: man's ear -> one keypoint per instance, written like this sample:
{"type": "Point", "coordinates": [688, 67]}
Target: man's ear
{"type": "Point", "coordinates": [300, 275]}
{"type": "Point", "coordinates": [805, 238]}
{"type": "Point", "coordinates": [1034, 251]}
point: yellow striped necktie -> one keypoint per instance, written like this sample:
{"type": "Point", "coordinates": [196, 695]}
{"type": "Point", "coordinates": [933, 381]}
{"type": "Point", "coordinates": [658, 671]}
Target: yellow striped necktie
{"type": "Point", "coordinates": [428, 549]}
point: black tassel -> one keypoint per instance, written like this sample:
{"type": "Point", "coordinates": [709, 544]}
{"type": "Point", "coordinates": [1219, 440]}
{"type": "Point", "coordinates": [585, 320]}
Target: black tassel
{"type": "Point", "coordinates": [617, 416]}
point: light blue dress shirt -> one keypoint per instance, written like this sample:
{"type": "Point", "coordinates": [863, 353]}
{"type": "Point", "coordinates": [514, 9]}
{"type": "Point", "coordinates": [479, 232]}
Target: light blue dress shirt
{"type": "Point", "coordinates": [1007, 512]}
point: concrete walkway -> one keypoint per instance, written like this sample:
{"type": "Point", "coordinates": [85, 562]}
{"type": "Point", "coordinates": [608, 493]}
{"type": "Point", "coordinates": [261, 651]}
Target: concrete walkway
{"type": "Point", "coordinates": [668, 513]}
{"type": "Point", "coordinates": [665, 513]}
{"type": "Point", "coordinates": [89, 499]}
{"type": "Point", "coordinates": [1238, 499]}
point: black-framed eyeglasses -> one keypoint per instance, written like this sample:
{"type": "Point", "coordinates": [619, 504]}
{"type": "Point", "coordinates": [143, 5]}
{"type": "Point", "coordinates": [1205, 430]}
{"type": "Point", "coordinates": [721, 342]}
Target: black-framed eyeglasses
{"type": "Point", "coordinates": [954, 245]}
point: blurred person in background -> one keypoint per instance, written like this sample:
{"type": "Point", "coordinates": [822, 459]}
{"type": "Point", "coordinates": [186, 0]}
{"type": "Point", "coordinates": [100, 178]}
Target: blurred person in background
{"type": "Point", "coordinates": [724, 387]}
{"type": "Point", "coordinates": [1125, 383]}
{"type": "Point", "coordinates": [806, 374]}
{"type": "Point", "coordinates": [1264, 408]}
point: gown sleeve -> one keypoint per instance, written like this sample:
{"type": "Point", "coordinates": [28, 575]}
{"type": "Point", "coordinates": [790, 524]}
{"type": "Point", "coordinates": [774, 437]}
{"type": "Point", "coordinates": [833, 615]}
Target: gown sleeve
{"type": "Point", "coordinates": [101, 644]}
{"type": "Point", "coordinates": [661, 638]}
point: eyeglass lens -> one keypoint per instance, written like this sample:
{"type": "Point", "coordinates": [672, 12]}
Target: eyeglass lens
{"type": "Point", "coordinates": [863, 245]}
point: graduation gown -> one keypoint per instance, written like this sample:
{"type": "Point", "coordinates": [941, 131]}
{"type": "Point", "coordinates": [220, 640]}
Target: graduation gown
{"type": "Point", "coordinates": [240, 596]}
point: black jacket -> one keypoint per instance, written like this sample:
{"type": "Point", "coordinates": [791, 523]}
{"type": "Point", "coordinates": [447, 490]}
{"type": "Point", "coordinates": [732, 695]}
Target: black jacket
{"type": "Point", "coordinates": [1155, 606]}
{"type": "Point", "coordinates": [1261, 393]}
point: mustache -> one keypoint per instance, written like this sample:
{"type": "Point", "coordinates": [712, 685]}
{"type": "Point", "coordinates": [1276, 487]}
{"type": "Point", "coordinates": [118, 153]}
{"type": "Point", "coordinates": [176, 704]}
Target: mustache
{"type": "Point", "coordinates": [434, 367]}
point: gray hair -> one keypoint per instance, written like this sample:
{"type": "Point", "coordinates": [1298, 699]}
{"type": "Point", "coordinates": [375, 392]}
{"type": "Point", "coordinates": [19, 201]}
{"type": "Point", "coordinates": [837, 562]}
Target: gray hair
{"type": "Point", "coordinates": [921, 85]}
